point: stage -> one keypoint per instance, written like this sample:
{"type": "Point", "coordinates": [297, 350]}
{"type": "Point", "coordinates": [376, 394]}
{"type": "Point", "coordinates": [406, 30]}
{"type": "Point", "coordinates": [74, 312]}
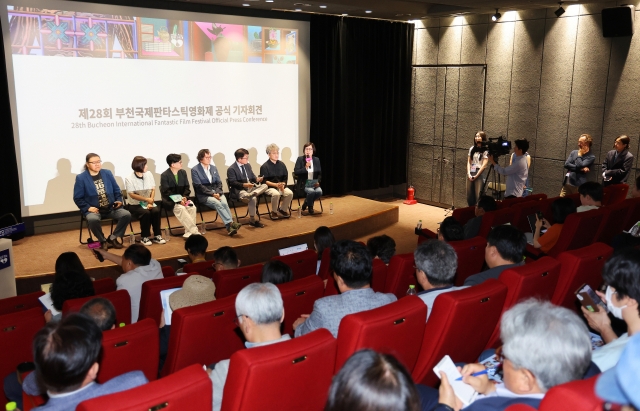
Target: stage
{"type": "Point", "coordinates": [354, 218]}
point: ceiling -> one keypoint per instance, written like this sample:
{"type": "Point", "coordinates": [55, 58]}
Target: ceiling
{"type": "Point", "coordinates": [387, 9]}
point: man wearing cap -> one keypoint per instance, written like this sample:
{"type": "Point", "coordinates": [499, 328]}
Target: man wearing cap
{"type": "Point", "coordinates": [619, 385]}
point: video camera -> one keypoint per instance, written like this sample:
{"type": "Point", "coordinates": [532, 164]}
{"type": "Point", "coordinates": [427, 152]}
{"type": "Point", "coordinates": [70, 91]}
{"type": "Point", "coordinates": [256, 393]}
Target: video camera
{"type": "Point", "coordinates": [497, 146]}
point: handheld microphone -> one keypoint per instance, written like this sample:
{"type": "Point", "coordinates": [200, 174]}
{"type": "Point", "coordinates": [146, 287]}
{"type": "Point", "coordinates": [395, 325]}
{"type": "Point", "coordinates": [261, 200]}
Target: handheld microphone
{"type": "Point", "coordinates": [308, 159]}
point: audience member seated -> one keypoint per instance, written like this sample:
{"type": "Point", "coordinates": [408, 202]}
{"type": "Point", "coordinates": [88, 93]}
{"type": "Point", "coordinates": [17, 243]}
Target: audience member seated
{"type": "Point", "coordinates": [322, 238]}
{"type": "Point", "coordinates": [382, 247]}
{"type": "Point", "coordinates": [196, 248]}
{"type": "Point", "coordinates": [138, 267]}
{"type": "Point", "coordinates": [276, 272]}
{"type": "Point", "coordinates": [450, 230]}
{"type": "Point", "coordinates": [591, 194]}
{"type": "Point", "coordinates": [66, 355]}
{"type": "Point", "coordinates": [370, 381]}
{"type": "Point", "coordinates": [544, 346]}
{"type": "Point", "coordinates": [351, 265]}
{"type": "Point", "coordinates": [620, 273]}
{"type": "Point", "coordinates": [505, 249]}
{"type": "Point", "coordinates": [625, 240]}
{"type": "Point", "coordinates": [619, 385]}
{"type": "Point", "coordinates": [561, 208]}
{"type": "Point", "coordinates": [225, 258]}
{"type": "Point", "coordinates": [70, 281]}
{"type": "Point", "coordinates": [260, 313]}
{"type": "Point", "coordinates": [101, 311]}
{"type": "Point", "coordinates": [485, 204]}
{"type": "Point", "coordinates": [436, 265]}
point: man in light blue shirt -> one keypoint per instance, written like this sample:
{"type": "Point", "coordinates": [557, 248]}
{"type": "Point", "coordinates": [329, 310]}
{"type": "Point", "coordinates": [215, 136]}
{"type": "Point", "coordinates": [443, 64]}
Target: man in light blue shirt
{"type": "Point", "coordinates": [517, 172]}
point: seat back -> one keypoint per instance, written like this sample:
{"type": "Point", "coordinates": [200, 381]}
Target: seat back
{"type": "Point", "coordinates": [203, 334]}
{"type": "Point", "coordinates": [331, 288]}
{"type": "Point", "coordinates": [579, 230]}
{"type": "Point", "coordinates": [204, 268]}
{"type": "Point", "coordinates": [508, 202]}
{"type": "Point", "coordinates": [303, 366]}
{"type": "Point", "coordinates": [575, 198]}
{"type": "Point", "coordinates": [463, 215]}
{"type": "Point", "coordinates": [325, 264]}
{"type": "Point", "coordinates": [581, 266]}
{"type": "Point", "coordinates": [494, 218]}
{"type": "Point", "coordinates": [189, 388]}
{"type": "Point", "coordinates": [20, 303]}
{"type": "Point", "coordinates": [16, 336]}
{"type": "Point", "coordinates": [634, 213]}
{"type": "Point", "coordinates": [104, 285]}
{"type": "Point", "coordinates": [396, 329]}
{"type": "Point", "coordinates": [298, 297]}
{"type": "Point", "coordinates": [574, 395]}
{"type": "Point", "coordinates": [470, 257]}
{"type": "Point", "coordinates": [613, 221]}
{"type": "Point", "coordinates": [230, 282]}
{"type": "Point", "coordinates": [523, 210]}
{"type": "Point", "coordinates": [614, 194]}
{"type": "Point", "coordinates": [130, 348]}
{"type": "Point", "coordinates": [400, 274]}
{"type": "Point", "coordinates": [459, 325]}
{"type": "Point", "coordinates": [302, 264]}
{"type": "Point", "coordinates": [378, 275]}
{"type": "Point", "coordinates": [537, 279]}
{"type": "Point", "coordinates": [120, 300]}
{"type": "Point", "coordinates": [168, 271]}
{"type": "Point", "coordinates": [150, 303]}
{"type": "Point", "coordinates": [536, 197]}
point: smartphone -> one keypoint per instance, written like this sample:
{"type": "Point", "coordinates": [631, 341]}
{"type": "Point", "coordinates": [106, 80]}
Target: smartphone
{"type": "Point", "coordinates": [589, 299]}
{"type": "Point", "coordinates": [540, 215]}
{"type": "Point", "coordinates": [182, 262]}
{"type": "Point", "coordinates": [98, 256]}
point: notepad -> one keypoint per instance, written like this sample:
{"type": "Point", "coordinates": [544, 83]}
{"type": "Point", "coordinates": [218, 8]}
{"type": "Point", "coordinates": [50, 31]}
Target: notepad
{"type": "Point", "coordinates": [463, 391]}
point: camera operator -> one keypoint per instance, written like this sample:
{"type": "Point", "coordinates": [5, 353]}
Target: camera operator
{"type": "Point", "coordinates": [517, 172]}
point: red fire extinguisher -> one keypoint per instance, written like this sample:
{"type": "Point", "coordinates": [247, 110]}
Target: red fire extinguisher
{"type": "Point", "coordinates": [410, 199]}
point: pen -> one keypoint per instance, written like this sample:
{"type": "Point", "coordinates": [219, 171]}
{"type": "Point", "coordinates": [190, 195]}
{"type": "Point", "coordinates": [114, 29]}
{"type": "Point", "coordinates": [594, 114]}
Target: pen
{"type": "Point", "coordinates": [475, 374]}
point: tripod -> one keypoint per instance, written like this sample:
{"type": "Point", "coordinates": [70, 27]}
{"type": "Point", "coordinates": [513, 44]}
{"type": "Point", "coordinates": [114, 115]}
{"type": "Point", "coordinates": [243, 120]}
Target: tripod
{"type": "Point", "coordinates": [497, 180]}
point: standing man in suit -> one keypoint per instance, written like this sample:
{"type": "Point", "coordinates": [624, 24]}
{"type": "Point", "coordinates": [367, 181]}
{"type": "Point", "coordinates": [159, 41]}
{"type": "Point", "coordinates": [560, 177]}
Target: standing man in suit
{"type": "Point", "coordinates": [208, 187]}
{"type": "Point", "coordinates": [578, 165]}
{"type": "Point", "coordinates": [173, 181]}
{"type": "Point", "coordinates": [617, 165]}
{"type": "Point", "coordinates": [244, 185]}
{"type": "Point", "coordinates": [351, 264]}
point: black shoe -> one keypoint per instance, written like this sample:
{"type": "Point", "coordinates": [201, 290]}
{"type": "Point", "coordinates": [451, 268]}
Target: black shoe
{"type": "Point", "coordinates": [232, 231]}
{"type": "Point", "coordinates": [284, 213]}
{"type": "Point", "coordinates": [114, 243]}
{"type": "Point", "coordinates": [304, 205]}
{"type": "Point", "coordinates": [256, 224]}
{"type": "Point", "coordinates": [104, 245]}
{"type": "Point", "coordinates": [311, 211]}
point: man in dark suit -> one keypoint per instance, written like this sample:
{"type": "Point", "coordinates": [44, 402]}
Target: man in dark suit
{"type": "Point", "coordinates": [618, 163]}
{"type": "Point", "coordinates": [208, 187]}
{"type": "Point", "coordinates": [244, 185]}
{"type": "Point", "coordinates": [173, 181]}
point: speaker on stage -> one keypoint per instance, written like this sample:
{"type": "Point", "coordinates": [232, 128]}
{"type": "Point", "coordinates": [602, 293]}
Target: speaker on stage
{"type": "Point", "coordinates": [618, 21]}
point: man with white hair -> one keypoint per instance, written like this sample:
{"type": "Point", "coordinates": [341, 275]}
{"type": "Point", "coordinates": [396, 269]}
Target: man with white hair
{"type": "Point", "coordinates": [275, 177]}
{"type": "Point", "coordinates": [544, 346]}
{"type": "Point", "coordinates": [260, 311]}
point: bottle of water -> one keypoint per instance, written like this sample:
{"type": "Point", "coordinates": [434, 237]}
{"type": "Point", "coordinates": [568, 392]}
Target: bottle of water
{"type": "Point", "coordinates": [412, 290]}
{"type": "Point", "coordinates": [203, 228]}
{"type": "Point", "coordinates": [167, 234]}
{"type": "Point", "coordinates": [635, 230]}
{"type": "Point", "coordinates": [419, 225]}
{"type": "Point", "coordinates": [299, 212]}
{"type": "Point", "coordinates": [132, 238]}
{"type": "Point", "coordinates": [11, 406]}
{"type": "Point", "coordinates": [330, 208]}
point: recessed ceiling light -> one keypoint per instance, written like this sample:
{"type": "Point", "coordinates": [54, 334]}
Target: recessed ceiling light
{"type": "Point", "coordinates": [245, 4]}
{"type": "Point", "coordinates": [298, 10]}
{"type": "Point", "coordinates": [344, 14]}
{"type": "Point", "coordinates": [367, 11]}
{"type": "Point", "coordinates": [269, 1]}
{"type": "Point", "coordinates": [323, 7]}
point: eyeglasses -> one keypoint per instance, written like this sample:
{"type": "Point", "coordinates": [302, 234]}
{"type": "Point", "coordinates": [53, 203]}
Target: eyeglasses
{"type": "Point", "coordinates": [95, 162]}
{"type": "Point", "coordinates": [207, 157]}
{"type": "Point", "coordinates": [235, 320]}
{"type": "Point", "coordinates": [500, 355]}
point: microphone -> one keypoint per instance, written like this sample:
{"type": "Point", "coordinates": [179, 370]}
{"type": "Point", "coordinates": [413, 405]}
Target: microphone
{"type": "Point", "coordinates": [308, 159]}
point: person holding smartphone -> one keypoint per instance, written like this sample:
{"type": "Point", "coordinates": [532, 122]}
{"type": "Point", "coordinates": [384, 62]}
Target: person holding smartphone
{"type": "Point", "coordinates": [561, 209]}
{"type": "Point", "coordinates": [308, 170]}
{"type": "Point", "coordinates": [98, 196]}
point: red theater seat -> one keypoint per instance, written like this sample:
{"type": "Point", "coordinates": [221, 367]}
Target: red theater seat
{"type": "Point", "coordinates": [325, 264]}
{"type": "Point", "coordinates": [104, 285]}
{"type": "Point", "coordinates": [494, 218]}
{"type": "Point", "coordinates": [581, 266]}
{"type": "Point", "coordinates": [613, 221]}
{"type": "Point", "coordinates": [168, 271]}
{"type": "Point", "coordinates": [230, 282]}
{"type": "Point", "coordinates": [396, 329]}
{"type": "Point", "coordinates": [523, 210]}
{"type": "Point", "coordinates": [614, 194]}
{"type": "Point", "coordinates": [400, 274]}
{"type": "Point", "coordinates": [537, 279]}
{"type": "Point", "coordinates": [189, 388]}
{"type": "Point", "coordinates": [203, 334]}
{"type": "Point", "coordinates": [470, 257]}
{"type": "Point", "coordinates": [378, 275]}
{"type": "Point", "coordinates": [634, 213]}
{"type": "Point", "coordinates": [463, 215]}
{"type": "Point", "coordinates": [298, 297]}
{"type": "Point", "coordinates": [150, 303]}
{"type": "Point", "coordinates": [120, 300]}
{"type": "Point", "coordinates": [288, 376]}
{"type": "Point", "coordinates": [204, 268]}
{"type": "Point", "coordinates": [331, 288]}
{"type": "Point", "coordinates": [130, 348]}
{"type": "Point", "coordinates": [16, 335]}
{"type": "Point", "coordinates": [460, 325]}
{"type": "Point", "coordinates": [20, 303]}
{"type": "Point", "coordinates": [574, 395]}
{"type": "Point", "coordinates": [302, 264]}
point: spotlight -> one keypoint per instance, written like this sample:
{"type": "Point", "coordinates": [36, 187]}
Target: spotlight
{"type": "Point", "coordinates": [560, 10]}
{"type": "Point", "coordinates": [496, 16]}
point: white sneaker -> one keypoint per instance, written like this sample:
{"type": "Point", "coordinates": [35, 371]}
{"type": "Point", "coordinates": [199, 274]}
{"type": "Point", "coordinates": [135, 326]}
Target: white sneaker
{"type": "Point", "coordinates": [186, 235]}
{"type": "Point", "coordinates": [158, 239]}
{"type": "Point", "coordinates": [145, 241]}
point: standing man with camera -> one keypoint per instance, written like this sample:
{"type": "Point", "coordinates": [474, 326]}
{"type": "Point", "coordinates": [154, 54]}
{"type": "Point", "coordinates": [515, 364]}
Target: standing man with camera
{"type": "Point", "coordinates": [517, 172]}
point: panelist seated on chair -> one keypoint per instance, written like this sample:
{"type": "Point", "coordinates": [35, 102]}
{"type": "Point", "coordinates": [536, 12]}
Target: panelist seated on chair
{"type": "Point", "coordinates": [174, 183]}
{"type": "Point", "coordinates": [141, 189]}
{"type": "Point", "coordinates": [505, 249]}
{"type": "Point", "coordinates": [260, 313]}
{"type": "Point", "coordinates": [309, 173]}
{"type": "Point", "coordinates": [544, 346]}
{"type": "Point", "coordinates": [352, 266]}
{"type": "Point", "coordinates": [208, 187]}
{"type": "Point", "coordinates": [98, 196]}
{"type": "Point", "coordinates": [66, 355]}
{"type": "Point", "coordinates": [244, 185]}
{"type": "Point", "coordinates": [275, 176]}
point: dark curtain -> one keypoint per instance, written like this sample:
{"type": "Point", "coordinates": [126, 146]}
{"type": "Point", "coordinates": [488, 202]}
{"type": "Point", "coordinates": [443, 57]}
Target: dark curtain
{"type": "Point", "coordinates": [360, 101]}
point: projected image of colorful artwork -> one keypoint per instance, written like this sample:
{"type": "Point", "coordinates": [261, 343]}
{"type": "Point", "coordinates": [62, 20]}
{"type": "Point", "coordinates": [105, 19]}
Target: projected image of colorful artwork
{"type": "Point", "coordinates": [65, 33]}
